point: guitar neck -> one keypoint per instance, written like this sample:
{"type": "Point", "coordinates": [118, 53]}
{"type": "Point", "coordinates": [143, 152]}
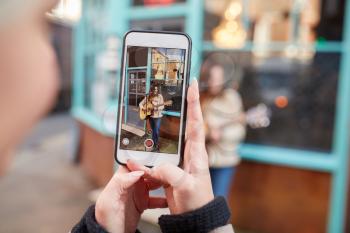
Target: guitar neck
{"type": "Point", "coordinates": [231, 122]}
{"type": "Point", "coordinates": [163, 104]}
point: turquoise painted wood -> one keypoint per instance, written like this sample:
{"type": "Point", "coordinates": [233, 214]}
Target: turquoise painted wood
{"type": "Point", "coordinates": [91, 119]}
{"type": "Point", "coordinates": [120, 13]}
{"type": "Point", "coordinates": [118, 26]}
{"type": "Point", "coordinates": [171, 113]}
{"type": "Point", "coordinates": [194, 27]}
{"type": "Point", "coordinates": [144, 13]}
{"type": "Point", "coordinates": [118, 16]}
{"type": "Point", "coordinates": [78, 58]}
{"type": "Point", "coordinates": [126, 95]}
{"type": "Point", "coordinates": [148, 74]}
{"type": "Point", "coordinates": [137, 68]}
{"type": "Point", "coordinates": [289, 157]}
{"type": "Point", "coordinates": [329, 46]}
{"type": "Point", "coordinates": [341, 137]}
{"type": "Point", "coordinates": [149, 70]}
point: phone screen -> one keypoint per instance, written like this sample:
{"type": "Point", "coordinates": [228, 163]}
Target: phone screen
{"type": "Point", "coordinates": [152, 101]}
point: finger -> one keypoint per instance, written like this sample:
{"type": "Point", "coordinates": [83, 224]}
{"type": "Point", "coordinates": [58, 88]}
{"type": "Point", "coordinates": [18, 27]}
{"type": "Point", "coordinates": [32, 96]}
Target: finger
{"type": "Point", "coordinates": [168, 174]}
{"type": "Point", "coordinates": [134, 166]}
{"type": "Point", "coordinates": [165, 174]}
{"type": "Point", "coordinates": [123, 179]}
{"type": "Point", "coordinates": [195, 129]}
{"type": "Point", "coordinates": [157, 202]}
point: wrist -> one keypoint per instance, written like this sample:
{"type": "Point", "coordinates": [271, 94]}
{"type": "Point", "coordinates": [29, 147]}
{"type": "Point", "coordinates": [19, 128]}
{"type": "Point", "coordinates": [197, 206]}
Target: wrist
{"type": "Point", "coordinates": [89, 222]}
{"type": "Point", "coordinates": [104, 211]}
{"type": "Point", "coordinates": [100, 216]}
{"type": "Point", "coordinates": [204, 219]}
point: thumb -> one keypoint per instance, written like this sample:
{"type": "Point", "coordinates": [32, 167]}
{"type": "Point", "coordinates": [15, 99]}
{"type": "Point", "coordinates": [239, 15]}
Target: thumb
{"type": "Point", "coordinates": [169, 174]}
{"type": "Point", "coordinates": [165, 174]}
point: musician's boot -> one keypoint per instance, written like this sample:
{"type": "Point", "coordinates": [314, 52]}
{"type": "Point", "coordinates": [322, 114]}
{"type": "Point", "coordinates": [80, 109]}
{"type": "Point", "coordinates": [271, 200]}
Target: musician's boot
{"type": "Point", "coordinates": [156, 148]}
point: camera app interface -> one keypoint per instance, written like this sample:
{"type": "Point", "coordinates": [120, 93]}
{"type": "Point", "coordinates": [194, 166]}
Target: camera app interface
{"type": "Point", "coordinates": [152, 101]}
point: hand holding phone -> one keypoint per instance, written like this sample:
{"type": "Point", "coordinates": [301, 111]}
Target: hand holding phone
{"type": "Point", "coordinates": [122, 201]}
{"type": "Point", "coordinates": [189, 188]}
{"type": "Point", "coordinates": [186, 189]}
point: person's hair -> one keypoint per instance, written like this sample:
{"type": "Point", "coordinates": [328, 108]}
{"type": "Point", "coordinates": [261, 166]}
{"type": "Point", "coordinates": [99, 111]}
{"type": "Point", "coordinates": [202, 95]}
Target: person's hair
{"type": "Point", "coordinates": [226, 63]}
{"type": "Point", "coordinates": [153, 86]}
{"type": "Point", "coordinates": [204, 79]}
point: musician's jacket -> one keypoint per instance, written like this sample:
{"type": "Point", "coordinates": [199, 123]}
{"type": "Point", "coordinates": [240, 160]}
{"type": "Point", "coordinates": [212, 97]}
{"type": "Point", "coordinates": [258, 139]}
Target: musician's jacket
{"type": "Point", "coordinates": [158, 105]}
{"type": "Point", "coordinates": [220, 113]}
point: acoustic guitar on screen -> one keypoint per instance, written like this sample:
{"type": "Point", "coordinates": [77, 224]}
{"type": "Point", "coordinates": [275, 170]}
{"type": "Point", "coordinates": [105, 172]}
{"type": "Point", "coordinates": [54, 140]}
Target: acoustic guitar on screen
{"type": "Point", "coordinates": [147, 108]}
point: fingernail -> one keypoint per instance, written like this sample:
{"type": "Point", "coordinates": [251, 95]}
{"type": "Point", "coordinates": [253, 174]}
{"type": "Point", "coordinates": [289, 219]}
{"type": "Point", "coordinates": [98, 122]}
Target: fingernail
{"type": "Point", "coordinates": [137, 173]}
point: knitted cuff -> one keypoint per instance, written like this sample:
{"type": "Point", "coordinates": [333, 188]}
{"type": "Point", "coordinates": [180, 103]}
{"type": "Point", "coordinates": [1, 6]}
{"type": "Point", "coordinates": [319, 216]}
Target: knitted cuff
{"type": "Point", "coordinates": [207, 218]}
{"type": "Point", "coordinates": [89, 224]}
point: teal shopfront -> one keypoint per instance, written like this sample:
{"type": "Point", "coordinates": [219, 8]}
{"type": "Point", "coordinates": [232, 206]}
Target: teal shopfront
{"type": "Point", "coordinates": [294, 56]}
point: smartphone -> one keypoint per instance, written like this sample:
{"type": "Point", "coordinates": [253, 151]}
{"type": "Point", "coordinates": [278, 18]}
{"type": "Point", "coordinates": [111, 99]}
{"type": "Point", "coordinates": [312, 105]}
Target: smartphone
{"type": "Point", "coordinates": [152, 106]}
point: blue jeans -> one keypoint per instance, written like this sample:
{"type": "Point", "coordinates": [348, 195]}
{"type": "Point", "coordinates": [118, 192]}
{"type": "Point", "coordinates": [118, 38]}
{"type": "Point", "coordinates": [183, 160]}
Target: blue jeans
{"type": "Point", "coordinates": [221, 179]}
{"type": "Point", "coordinates": [155, 125]}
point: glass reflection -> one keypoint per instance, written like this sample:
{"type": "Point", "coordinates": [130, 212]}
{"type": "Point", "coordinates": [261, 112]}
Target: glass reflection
{"type": "Point", "coordinates": [300, 95]}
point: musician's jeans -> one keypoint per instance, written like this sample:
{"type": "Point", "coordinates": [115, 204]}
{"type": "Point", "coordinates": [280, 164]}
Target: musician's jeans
{"type": "Point", "coordinates": [155, 125]}
{"type": "Point", "coordinates": [221, 179]}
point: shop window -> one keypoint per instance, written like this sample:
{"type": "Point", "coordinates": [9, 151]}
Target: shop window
{"type": "Point", "coordinates": [231, 23]}
{"type": "Point", "coordinates": [137, 87]}
{"type": "Point", "coordinates": [137, 57]}
{"type": "Point", "coordinates": [301, 96]}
